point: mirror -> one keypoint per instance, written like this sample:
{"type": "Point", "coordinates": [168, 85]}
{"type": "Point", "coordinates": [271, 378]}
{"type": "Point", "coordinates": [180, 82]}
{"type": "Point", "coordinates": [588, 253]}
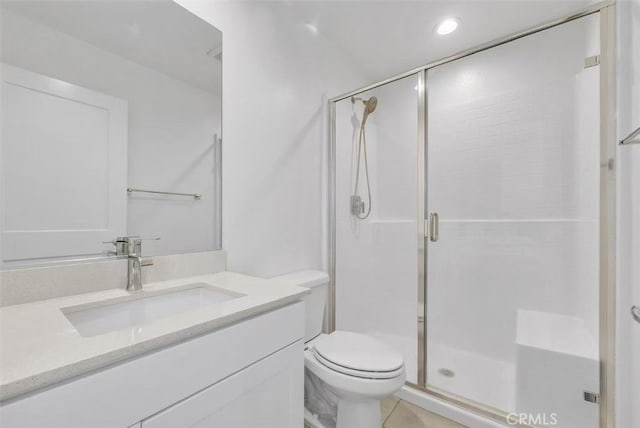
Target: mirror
{"type": "Point", "coordinates": [105, 106]}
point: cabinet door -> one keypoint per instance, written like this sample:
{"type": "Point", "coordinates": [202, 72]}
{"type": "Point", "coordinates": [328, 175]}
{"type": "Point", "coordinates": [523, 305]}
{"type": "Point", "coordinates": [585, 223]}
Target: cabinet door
{"type": "Point", "coordinates": [267, 394]}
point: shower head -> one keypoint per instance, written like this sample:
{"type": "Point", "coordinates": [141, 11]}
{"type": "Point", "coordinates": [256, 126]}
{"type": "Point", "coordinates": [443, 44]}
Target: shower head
{"type": "Point", "coordinates": [369, 106]}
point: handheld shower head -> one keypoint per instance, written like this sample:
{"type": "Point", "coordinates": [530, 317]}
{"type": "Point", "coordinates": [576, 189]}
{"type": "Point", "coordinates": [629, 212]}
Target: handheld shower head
{"type": "Point", "coordinates": [369, 106]}
{"type": "Point", "coordinates": [357, 203]}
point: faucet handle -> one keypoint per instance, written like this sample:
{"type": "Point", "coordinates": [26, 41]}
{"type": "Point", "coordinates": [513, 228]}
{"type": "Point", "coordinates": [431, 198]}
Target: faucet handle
{"type": "Point", "coordinates": [121, 243]}
{"type": "Point", "coordinates": [137, 244]}
{"type": "Point", "coordinates": [138, 240]}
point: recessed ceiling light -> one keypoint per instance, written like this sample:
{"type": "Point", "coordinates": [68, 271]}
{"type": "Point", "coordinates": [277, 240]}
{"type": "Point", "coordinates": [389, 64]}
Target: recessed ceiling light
{"type": "Point", "coordinates": [447, 26]}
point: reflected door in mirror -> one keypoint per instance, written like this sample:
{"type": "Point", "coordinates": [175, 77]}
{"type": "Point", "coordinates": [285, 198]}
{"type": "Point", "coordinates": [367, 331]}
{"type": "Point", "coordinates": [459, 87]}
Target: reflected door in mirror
{"type": "Point", "coordinates": [64, 150]}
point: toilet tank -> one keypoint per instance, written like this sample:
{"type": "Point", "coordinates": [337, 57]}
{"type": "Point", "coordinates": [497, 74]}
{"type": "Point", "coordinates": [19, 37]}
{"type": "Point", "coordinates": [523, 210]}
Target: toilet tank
{"type": "Point", "coordinates": [316, 302]}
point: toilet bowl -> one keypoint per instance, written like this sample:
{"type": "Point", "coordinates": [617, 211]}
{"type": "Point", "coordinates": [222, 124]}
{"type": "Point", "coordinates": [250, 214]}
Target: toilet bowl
{"type": "Point", "coordinates": [359, 371]}
{"type": "Point", "coordinates": [347, 374]}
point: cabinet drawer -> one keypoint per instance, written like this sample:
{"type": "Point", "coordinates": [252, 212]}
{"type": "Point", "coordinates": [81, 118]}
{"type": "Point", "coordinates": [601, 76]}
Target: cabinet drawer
{"type": "Point", "coordinates": [267, 394]}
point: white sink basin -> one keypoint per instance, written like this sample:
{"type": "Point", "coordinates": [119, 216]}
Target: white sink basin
{"type": "Point", "coordinates": [142, 308]}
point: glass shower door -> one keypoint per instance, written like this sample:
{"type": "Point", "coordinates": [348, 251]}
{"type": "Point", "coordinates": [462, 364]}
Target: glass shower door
{"type": "Point", "coordinates": [375, 270]}
{"type": "Point", "coordinates": [513, 254]}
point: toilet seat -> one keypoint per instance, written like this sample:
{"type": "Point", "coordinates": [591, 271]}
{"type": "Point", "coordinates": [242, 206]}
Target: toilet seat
{"type": "Point", "coordinates": [349, 385]}
{"type": "Point", "coordinates": [358, 355]}
{"type": "Point", "coordinates": [357, 373]}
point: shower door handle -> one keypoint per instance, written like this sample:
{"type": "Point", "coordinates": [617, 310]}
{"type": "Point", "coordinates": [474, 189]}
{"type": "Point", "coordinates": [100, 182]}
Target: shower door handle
{"type": "Point", "coordinates": [434, 227]}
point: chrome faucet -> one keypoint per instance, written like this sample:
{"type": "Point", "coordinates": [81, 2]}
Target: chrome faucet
{"type": "Point", "coordinates": [135, 263]}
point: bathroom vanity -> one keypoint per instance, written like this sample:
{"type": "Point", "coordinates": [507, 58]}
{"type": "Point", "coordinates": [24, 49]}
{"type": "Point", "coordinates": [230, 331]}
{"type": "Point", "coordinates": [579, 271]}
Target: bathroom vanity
{"type": "Point", "coordinates": [203, 351]}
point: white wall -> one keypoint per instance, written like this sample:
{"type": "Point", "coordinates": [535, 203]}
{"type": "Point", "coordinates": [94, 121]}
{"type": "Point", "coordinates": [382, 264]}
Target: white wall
{"type": "Point", "coordinates": [171, 130]}
{"type": "Point", "coordinates": [628, 282]}
{"type": "Point", "coordinates": [275, 74]}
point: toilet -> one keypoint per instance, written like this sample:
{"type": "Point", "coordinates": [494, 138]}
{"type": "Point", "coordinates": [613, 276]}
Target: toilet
{"type": "Point", "coordinates": [347, 374]}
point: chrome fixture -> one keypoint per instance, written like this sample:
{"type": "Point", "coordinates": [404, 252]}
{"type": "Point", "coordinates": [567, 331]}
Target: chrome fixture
{"type": "Point", "coordinates": [122, 245]}
{"type": "Point", "coordinates": [191, 195]}
{"type": "Point", "coordinates": [434, 227]}
{"type": "Point", "coordinates": [135, 263]}
{"type": "Point", "coordinates": [357, 204]}
{"type": "Point", "coordinates": [633, 138]}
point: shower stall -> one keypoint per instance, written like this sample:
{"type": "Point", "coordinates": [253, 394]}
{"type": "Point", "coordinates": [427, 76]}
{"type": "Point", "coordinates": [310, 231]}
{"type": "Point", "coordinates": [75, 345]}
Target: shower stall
{"type": "Point", "coordinates": [486, 252]}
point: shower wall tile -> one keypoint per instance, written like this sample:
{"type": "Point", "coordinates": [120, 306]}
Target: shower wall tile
{"type": "Point", "coordinates": [511, 156]}
{"type": "Point", "coordinates": [482, 272]}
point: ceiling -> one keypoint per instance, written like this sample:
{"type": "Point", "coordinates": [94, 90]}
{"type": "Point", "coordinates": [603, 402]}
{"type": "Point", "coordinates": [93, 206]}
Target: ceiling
{"type": "Point", "coordinates": [386, 38]}
{"type": "Point", "coordinates": [158, 34]}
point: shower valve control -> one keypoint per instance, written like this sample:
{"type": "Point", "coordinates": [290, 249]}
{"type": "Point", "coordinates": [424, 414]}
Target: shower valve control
{"type": "Point", "coordinates": [357, 205]}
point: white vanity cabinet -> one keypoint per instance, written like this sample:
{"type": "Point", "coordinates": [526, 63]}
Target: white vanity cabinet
{"type": "Point", "coordinates": [248, 374]}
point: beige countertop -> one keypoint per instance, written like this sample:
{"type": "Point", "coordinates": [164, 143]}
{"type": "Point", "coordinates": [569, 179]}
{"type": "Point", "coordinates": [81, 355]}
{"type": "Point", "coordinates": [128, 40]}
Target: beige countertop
{"type": "Point", "coordinates": [39, 346]}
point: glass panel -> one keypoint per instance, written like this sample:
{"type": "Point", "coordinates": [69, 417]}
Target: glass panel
{"type": "Point", "coordinates": [376, 261]}
{"type": "Point", "coordinates": [513, 174]}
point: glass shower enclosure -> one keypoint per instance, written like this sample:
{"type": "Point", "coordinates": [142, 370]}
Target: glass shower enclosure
{"type": "Point", "coordinates": [485, 258]}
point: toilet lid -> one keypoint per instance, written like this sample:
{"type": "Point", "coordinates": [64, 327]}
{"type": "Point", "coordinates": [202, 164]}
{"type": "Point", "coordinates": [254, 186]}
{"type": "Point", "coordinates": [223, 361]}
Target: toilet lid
{"type": "Point", "coordinates": [359, 353]}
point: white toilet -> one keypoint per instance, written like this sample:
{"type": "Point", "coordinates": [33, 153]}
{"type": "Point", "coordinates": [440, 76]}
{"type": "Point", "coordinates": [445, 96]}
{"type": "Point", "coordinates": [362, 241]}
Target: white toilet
{"type": "Point", "coordinates": [346, 374]}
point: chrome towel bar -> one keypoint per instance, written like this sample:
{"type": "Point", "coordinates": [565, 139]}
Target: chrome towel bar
{"type": "Point", "coordinates": [632, 138]}
{"type": "Point", "coordinates": [191, 195]}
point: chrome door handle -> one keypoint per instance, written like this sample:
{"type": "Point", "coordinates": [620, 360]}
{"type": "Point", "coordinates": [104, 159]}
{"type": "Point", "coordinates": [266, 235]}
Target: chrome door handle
{"type": "Point", "coordinates": [635, 312]}
{"type": "Point", "coordinates": [434, 227]}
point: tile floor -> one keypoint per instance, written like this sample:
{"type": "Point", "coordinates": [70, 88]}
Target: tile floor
{"type": "Point", "coordinates": [398, 413]}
